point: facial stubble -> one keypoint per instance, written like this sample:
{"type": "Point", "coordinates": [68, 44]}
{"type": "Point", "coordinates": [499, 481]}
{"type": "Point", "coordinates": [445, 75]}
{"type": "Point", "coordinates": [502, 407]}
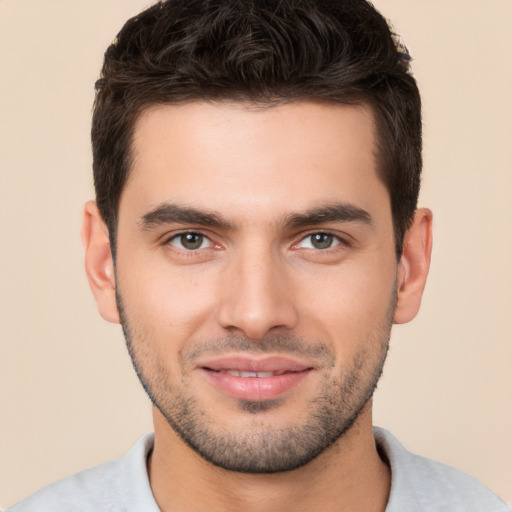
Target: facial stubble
{"type": "Point", "coordinates": [261, 448]}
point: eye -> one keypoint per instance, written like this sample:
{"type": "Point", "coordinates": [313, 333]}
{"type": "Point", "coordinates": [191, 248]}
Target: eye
{"type": "Point", "coordinates": [319, 241]}
{"type": "Point", "coordinates": [190, 241]}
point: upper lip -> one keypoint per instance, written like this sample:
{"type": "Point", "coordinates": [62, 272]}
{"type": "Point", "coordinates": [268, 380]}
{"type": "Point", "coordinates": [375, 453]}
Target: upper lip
{"type": "Point", "coordinates": [251, 364]}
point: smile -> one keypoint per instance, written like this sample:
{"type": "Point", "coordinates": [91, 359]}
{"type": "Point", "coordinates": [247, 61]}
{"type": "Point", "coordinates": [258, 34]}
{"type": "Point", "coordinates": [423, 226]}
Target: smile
{"type": "Point", "coordinates": [258, 375]}
{"type": "Point", "coordinates": [254, 379]}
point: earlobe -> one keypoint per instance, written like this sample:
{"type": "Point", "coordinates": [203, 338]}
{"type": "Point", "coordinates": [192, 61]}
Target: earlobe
{"type": "Point", "coordinates": [99, 264]}
{"type": "Point", "coordinates": [413, 266]}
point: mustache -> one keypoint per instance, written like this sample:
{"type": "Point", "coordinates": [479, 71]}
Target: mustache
{"type": "Point", "coordinates": [283, 343]}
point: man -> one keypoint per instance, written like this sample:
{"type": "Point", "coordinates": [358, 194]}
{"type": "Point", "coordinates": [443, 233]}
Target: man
{"type": "Point", "coordinates": [255, 232]}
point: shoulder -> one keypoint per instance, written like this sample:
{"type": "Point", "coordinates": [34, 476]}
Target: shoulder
{"type": "Point", "coordinates": [421, 484]}
{"type": "Point", "coordinates": [120, 484]}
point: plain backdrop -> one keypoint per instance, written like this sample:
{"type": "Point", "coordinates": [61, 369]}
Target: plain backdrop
{"type": "Point", "coordinates": [68, 395]}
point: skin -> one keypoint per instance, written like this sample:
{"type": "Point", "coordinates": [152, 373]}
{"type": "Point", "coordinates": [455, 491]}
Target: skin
{"type": "Point", "coordinates": [256, 276]}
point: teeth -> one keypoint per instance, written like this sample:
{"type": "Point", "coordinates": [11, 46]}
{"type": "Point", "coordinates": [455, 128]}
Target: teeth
{"type": "Point", "coordinates": [260, 375]}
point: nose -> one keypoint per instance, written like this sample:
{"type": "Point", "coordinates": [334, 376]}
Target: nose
{"type": "Point", "coordinates": [256, 296]}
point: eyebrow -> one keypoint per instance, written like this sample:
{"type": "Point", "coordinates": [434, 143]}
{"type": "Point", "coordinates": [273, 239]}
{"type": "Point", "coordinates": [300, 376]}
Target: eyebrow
{"type": "Point", "coordinates": [168, 213]}
{"type": "Point", "coordinates": [334, 212]}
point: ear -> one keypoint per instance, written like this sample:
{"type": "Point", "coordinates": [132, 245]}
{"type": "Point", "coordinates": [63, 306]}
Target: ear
{"type": "Point", "coordinates": [413, 266]}
{"type": "Point", "coordinates": [99, 264]}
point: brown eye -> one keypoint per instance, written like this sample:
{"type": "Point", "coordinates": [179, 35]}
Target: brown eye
{"type": "Point", "coordinates": [322, 240]}
{"type": "Point", "coordinates": [190, 241]}
{"type": "Point", "coordinates": [319, 241]}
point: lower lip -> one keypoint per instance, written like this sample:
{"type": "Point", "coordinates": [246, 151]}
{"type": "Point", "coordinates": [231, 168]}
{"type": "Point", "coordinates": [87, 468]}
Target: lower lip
{"type": "Point", "coordinates": [255, 389]}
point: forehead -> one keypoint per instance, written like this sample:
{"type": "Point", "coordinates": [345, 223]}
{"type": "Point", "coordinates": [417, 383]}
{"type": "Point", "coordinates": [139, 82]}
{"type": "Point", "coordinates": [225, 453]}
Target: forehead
{"type": "Point", "coordinates": [220, 154]}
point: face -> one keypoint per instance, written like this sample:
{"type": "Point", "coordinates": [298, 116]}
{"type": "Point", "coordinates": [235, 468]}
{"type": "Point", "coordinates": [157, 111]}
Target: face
{"type": "Point", "coordinates": [256, 275]}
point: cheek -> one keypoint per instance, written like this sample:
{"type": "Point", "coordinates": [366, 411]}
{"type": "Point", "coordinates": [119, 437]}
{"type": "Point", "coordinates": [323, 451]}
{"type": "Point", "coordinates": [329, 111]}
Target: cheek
{"type": "Point", "coordinates": [349, 302]}
{"type": "Point", "coordinates": [168, 303]}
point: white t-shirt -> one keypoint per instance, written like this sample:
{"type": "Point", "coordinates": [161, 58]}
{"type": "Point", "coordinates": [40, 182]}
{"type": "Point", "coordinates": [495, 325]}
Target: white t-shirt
{"type": "Point", "coordinates": [122, 485]}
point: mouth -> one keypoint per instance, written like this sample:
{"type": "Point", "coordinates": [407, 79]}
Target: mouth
{"type": "Point", "coordinates": [255, 379]}
{"type": "Point", "coordinates": [257, 375]}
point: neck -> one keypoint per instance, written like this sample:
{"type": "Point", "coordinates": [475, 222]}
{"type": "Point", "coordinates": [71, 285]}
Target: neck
{"type": "Point", "coordinates": [347, 476]}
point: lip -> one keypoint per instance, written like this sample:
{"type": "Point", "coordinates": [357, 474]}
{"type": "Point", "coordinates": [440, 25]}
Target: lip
{"type": "Point", "coordinates": [286, 372]}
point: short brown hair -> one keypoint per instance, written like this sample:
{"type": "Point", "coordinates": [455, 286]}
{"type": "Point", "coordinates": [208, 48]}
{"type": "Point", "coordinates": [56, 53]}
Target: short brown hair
{"type": "Point", "coordinates": [262, 51]}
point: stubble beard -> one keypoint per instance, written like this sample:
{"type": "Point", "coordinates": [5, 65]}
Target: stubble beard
{"type": "Point", "coordinates": [262, 449]}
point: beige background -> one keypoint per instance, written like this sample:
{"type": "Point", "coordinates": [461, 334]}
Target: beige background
{"type": "Point", "coordinates": [68, 395]}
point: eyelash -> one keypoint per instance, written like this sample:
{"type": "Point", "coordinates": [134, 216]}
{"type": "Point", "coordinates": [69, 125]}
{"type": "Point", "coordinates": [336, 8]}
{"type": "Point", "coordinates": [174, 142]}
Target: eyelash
{"type": "Point", "coordinates": [335, 239]}
{"type": "Point", "coordinates": [178, 236]}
